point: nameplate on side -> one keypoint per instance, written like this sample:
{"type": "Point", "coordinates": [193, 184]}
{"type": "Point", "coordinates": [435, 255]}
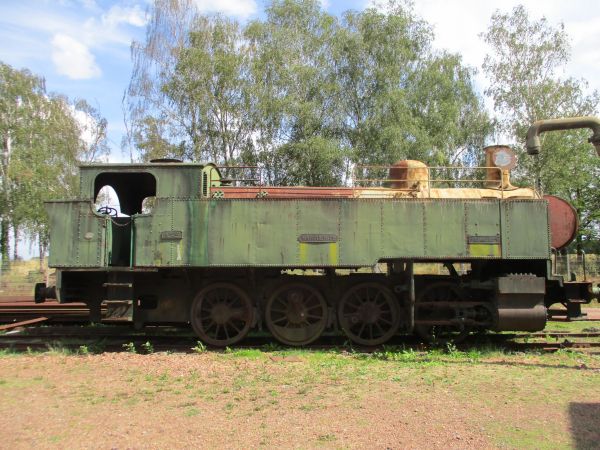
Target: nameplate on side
{"type": "Point", "coordinates": [317, 238]}
{"type": "Point", "coordinates": [171, 235]}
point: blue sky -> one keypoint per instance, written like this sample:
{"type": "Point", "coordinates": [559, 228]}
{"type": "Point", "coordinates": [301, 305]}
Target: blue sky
{"type": "Point", "coordinates": [81, 47]}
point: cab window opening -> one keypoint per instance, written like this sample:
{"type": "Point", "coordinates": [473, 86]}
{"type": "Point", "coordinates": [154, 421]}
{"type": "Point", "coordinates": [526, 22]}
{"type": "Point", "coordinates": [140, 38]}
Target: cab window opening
{"type": "Point", "coordinates": [134, 192]}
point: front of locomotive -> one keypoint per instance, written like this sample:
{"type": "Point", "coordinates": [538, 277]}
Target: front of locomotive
{"type": "Point", "coordinates": [563, 286]}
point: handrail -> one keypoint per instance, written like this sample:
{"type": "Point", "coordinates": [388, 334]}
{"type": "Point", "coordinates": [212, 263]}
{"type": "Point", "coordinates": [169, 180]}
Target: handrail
{"type": "Point", "coordinates": [429, 179]}
{"type": "Point", "coordinates": [258, 180]}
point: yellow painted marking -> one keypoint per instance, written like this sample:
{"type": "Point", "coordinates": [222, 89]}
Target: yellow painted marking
{"type": "Point", "coordinates": [485, 250]}
{"type": "Point", "coordinates": [303, 249]}
{"type": "Point", "coordinates": [333, 253]}
{"type": "Point", "coordinates": [180, 250]}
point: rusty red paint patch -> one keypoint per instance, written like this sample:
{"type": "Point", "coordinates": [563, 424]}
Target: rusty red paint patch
{"type": "Point", "coordinates": [286, 192]}
{"type": "Point", "coordinates": [563, 221]}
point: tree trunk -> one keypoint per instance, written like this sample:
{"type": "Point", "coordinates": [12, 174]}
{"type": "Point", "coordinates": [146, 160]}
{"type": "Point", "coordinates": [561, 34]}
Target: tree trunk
{"type": "Point", "coordinates": [579, 241]}
{"type": "Point", "coordinates": [4, 244]}
{"type": "Point", "coordinates": [16, 242]}
{"type": "Point", "coordinates": [42, 248]}
{"type": "Point", "coordinates": [4, 221]}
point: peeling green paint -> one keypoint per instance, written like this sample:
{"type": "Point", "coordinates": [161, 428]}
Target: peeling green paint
{"type": "Point", "coordinates": [200, 231]}
{"type": "Point", "coordinates": [355, 232]}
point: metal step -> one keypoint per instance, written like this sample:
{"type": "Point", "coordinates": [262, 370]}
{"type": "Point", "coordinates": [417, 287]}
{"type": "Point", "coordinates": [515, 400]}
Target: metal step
{"type": "Point", "coordinates": [118, 311]}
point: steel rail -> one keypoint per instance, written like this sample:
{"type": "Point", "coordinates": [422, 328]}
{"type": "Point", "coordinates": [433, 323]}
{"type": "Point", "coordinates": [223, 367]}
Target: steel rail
{"type": "Point", "coordinates": [114, 338]}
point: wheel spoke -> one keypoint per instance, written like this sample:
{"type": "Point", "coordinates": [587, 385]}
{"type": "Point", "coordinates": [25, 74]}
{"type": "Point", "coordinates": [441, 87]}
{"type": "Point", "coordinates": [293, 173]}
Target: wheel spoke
{"type": "Point", "coordinates": [358, 298]}
{"type": "Point", "coordinates": [221, 314]}
{"type": "Point", "coordinates": [314, 307]}
{"type": "Point", "coordinates": [296, 314]}
{"type": "Point", "coordinates": [367, 297]}
{"type": "Point", "coordinates": [232, 323]}
{"type": "Point", "coordinates": [354, 307]}
{"type": "Point", "coordinates": [386, 321]}
{"type": "Point", "coordinates": [362, 328]}
{"type": "Point", "coordinates": [369, 313]}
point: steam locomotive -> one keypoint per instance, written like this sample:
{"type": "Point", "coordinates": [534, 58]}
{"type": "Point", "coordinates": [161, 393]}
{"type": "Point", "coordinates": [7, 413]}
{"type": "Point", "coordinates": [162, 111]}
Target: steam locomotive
{"type": "Point", "coordinates": [191, 246]}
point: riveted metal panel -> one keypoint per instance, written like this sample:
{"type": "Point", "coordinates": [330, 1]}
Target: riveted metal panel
{"type": "Point", "coordinates": [318, 217]}
{"type": "Point", "coordinates": [90, 237]}
{"type": "Point", "coordinates": [64, 228]}
{"type": "Point", "coordinates": [144, 245]}
{"type": "Point", "coordinates": [149, 249]}
{"type": "Point", "coordinates": [360, 240]}
{"type": "Point", "coordinates": [178, 236]}
{"type": "Point", "coordinates": [525, 232]}
{"type": "Point", "coordinates": [445, 228]}
{"type": "Point", "coordinates": [191, 218]}
{"type": "Point", "coordinates": [303, 232]}
{"type": "Point", "coordinates": [275, 233]}
{"type": "Point", "coordinates": [483, 232]}
{"type": "Point", "coordinates": [231, 232]}
{"type": "Point", "coordinates": [403, 228]}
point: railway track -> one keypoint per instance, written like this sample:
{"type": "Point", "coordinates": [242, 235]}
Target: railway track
{"type": "Point", "coordinates": [120, 338]}
{"type": "Point", "coordinates": [19, 309]}
{"type": "Point", "coordinates": [69, 330]}
{"type": "Point", "coordinates": [54, 312]}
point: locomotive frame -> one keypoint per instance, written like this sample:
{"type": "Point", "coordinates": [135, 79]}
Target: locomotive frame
{"type": "Point", "coordinates": [230, 259]}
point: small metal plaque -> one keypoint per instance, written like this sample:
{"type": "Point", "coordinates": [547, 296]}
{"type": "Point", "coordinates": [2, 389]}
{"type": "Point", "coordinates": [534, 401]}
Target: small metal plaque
{"type": "Point", "coordinates": [171, 235]}
{"type": "Point", "coordinates": [483, 239]}
{"type": "Point", "coordinates": [317, 238]}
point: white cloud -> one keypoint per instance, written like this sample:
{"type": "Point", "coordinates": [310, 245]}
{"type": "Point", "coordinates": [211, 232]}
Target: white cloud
{"type": "Point", "coordinates": [74, 36]}
{"type": "Point", "coordinates": [458, 24]}
{"type": "Point", "coordinates": [89, 4]}
{"type": "Point", "coordinates": [117, 15]}
{"type": "Point", "coordinates": [72, 58]}
{"type": "Point", "coordinates": [86, 124]}
{"type": "Point", "coordinates": [238, 8]}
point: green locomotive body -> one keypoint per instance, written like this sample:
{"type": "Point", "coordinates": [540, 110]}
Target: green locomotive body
{"type": "Point", "coordinates": [190, 248]}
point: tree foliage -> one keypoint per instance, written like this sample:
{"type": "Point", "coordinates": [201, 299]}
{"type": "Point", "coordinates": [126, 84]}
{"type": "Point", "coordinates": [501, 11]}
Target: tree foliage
{"type": "Point", "coordinates": [523, 68]}
{"type": "Point", "coordinates": [301, 93]}
{"type": "Point", "coordinates": [209, 90]}
{"type": "Point", "coordinates": [155, 126]}
{"type": "Point", "coordinates": [41, 144]}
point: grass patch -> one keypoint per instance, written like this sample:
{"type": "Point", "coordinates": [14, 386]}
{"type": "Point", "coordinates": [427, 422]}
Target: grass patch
{"type": "Point", "coordinates": [576, 326]}
{"type": "Point", "coordinates": [248, 353]}
{"type": "Point", "coordinates": [326, 438]}
{"type": "Point", "coordinates": [191, 412]}
{"type": "Point", "coordinates": [521, 400]}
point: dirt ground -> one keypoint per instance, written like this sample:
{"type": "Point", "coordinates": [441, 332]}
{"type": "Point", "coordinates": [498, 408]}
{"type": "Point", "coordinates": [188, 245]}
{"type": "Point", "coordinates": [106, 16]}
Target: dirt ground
{"type": "Point", "coordinates": [299, 399]}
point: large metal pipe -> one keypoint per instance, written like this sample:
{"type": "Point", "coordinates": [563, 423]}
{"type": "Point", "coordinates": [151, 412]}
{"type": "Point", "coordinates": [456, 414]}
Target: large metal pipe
{"type": "Point", "coordinates": [570, 123]}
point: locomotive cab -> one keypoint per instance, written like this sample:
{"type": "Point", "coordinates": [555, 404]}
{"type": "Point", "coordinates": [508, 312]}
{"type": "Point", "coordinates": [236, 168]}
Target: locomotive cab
{"type": "Point", "coordinates": [101, 227]}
